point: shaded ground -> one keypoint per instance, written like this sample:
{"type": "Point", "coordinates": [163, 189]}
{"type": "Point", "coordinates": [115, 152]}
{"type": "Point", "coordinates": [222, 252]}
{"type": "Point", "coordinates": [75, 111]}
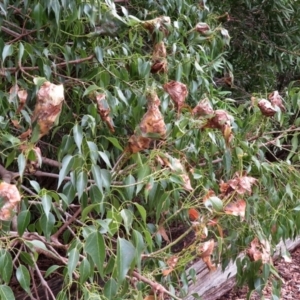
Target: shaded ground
{"type": "Point", "coordinates": [290, 290]}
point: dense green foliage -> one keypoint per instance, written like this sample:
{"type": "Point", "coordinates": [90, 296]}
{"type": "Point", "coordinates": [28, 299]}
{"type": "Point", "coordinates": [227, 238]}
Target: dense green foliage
{"type": "Point", "coordinates": [102, 214]}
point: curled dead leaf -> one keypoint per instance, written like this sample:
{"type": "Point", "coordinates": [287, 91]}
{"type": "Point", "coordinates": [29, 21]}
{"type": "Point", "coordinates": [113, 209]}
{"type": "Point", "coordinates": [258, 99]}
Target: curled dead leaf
{"type": "Point", "coordinates": [203, 108]}
{"type": "Point", "coordinates": [138, 143]}
{"type": "Point", "coordinates": [202, 28]}
{"type": "Point", "coordinates": [193, 214]}
{"type": "Point", "coordinates": [205, 252]}
{"type": "Point", "coordinates": [161, 23]}
{"type": "Point", "coordinates": [159, 61]}
{"type": "Point", "coordinates": [266, 108]}
{"type": "Point", "coordinates": [22, 96]}
{"type": "Point", "coordinates": [236, 208]}
{"type": "Point", "coordinates": [178, 92]}
{"type": "Point", "coordinates": [48, 107]}
{"type": "Point", "coordinates": [276, 100]}
{"type": "Point", "coordinates": [10, 197]}
{"type": "Point", "coordinates": [104, 110]}
{"type": "Point", "coordinates": [260, 250]}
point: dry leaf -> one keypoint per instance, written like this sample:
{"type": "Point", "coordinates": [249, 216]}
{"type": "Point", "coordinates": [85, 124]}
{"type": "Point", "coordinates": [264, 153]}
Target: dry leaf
{"type": "Point", "coordinates": [159, 61]}
{"type": "Point", "coordinates": [48, 107]}
{"type": "Point", "coordinates": [176, 166]}
{"type": "Point", "coordinates": [178, 92]}
{"type": "Point", "coordinates": [276, 100]}
{"type": "Point", "coordinates": [162, 231]}
{"type": "Point", "coordinates": [240, 184]}
{"type": "Point", "coordinates": [166, 272]}
{"type": "Point", "coordinates": [236, 208]}
{"type": "Point", "coordinates": [10, 197]}
{"type": "Point", "coordinates": [203, 108]}
{"type": "Point", "coordinates": [161, 23]}
{"type": "Point", "coordinates": [25, 134]}
{"type": "Point", "coordinates": [206, 250]}
{"type": "Point", "coordinates": [171, 262]}
{"type": "Point", "coordinates": [22, 96]}
{"type": "Point", "coordinates": [193, 214]}
{"type": "Point", "coordinates": [152, 126]}
{"type": "Point", "coordinates": [202, 28]}
{"type": "Point", "coordinates": [33, 165]}
{"type": "Point", "coordinates": [266, 108]}
{"type": "Point", "coordinates": [16, 124]}
{"type": "Point", "coordinates": [104, 110]}
{"type": "Point", "coordinates": [260, 250]}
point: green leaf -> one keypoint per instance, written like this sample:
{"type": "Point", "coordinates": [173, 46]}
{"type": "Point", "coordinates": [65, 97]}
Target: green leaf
{"type": "Point", "coordinates": [142, 212]}
{"type": "Point", "coordinates": [6, 266]}
{"type": "Point", "coordinates": [95, 247]}
{"type": "Point", "coordinates": [47, 224]}
{"type": "Point", "coordinates": [110, 289]}
{"type": "Point", "coordinates": [66, 167]}
{"type": "Point", "coordinates": [51, 269]}
{"type": "Point", "coordinates": [214, 203]}
{"type": "Point", "coordinates": [7, 51]}
{"type": "Point", "coordinates": [72, 262]}
{"type": "Point", "coordinates": [115, 142]}
{"type": "Point", "coordinates": [125, 257]}
{"type": "Point", "coordinates": [23, 221]}
{"type": "Point", "coordinates": [23, 277]}
{"type": "Point", "coordinates": [91, 89]}
{"type": "Point", "coordinates": [99, 54]}
{"type": "Point", "coordinates": [6, 293]}
{"type": "Point", "coordinates": [27, 259]}
{"type": "Point", "coordinates": [47, 204]}
{"type": "Point", "coordinates": [21, 52]}
{"type": "Point", "coordinates": [129, 186]}
{"type": "Point", "coordinates": [105, 158]}
{"type": "Point", "coordinates": [35, 185]}
{"type": "Point", "coordinates": [21, 164]}
{"type": "Point", "coordinates": [84, 270]}
{"type": "Point", "coordinates": [81, 183]}
{"type": "Point", "coordinates": [78, 136]}
{"type": "Point", "coordinates": [127, 217]}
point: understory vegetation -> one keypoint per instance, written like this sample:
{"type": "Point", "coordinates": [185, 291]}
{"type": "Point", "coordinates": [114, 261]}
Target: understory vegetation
{"type": "Point", "coordinates": [138, 136]}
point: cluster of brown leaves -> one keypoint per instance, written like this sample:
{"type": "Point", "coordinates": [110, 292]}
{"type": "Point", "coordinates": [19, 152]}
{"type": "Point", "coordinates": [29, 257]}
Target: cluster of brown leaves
{"type": "Point", "coordinates": [260, 250]}
{"type": "Point", "coordinates": [103, 110]}
{"type": "Point", "coordinates": [271, 106]}
{"type": "Point", "coordinates": [48, 107]}
{"type": "Point", "coordinates": [161, 23]}
{"type": "Point", "coordinates": [159, 58]}
{"type": "Point", "coordinates": [10, 197]}
{"type": "Point", "coordinates": [152, 126]}
{"type": "Point", "coordinates": [178, 92]}
{"type": "Point", "coordinates": [219, 119]}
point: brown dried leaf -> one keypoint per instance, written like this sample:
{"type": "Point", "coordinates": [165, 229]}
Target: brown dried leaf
{"type": "Point", "coordinates": [242, 184]}
{"type": "Point", "coordinates": [16, 124]}
{"type": "Point", "coordinates": [48, 107]}
{"type": "Point", "coordinates": [33, 165]}
{"type": "Point", "coordinates": [11, 197]}
{"type": "Point", "coordinates": [22, 94]}
{"type": "Point", "coordinates": [166, 272]}
{"type": "Point", "coordinates": [193, 214]}
{"type": "Point", "coordinates": [203, 108]}
{"type": "Point", "coordinates": [206, 250]}
{"type": "Point", "coordinates": [153, 121]}
{"type": "Point", "coordinates": [25, 134]}
{"type": "Point", "coordinates": [220, 119]}
{"type": "Point", "coordinates": [138, 143]}
{"type": "Point", "coordinates": [178, 92]}
{"type": "Point", "coordinates": [104, 111]}
{"type": "Point", "coordinates": [162, 231]}
{"type": "Point", "coordinates": [160, 23]}
{"type": "Point", "coordinates": [202, 28]}
{"type": "Point", "coordinates": [266, 108]}
{"type": "Point", "coordinates": [236, 208]}
{"type": "Point", "coordinates": [276, 100]}
{"type": "Point", "coordinates": [260, 250]}
{"type": "Point", "coordinates": [172, 261]}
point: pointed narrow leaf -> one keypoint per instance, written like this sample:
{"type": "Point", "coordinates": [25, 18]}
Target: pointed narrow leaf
{"type": "Point", "coordinates": [78, 136]}
{"type": "Point", "coordinates": [6, 266]}
{"type": "Point", "coordinates": [46, 202]}
{"type": "Point", "coordinates": [66, 167]}
{"type": "Point", "coordinates": [81, 183]}
{"type": "Point", "coordinates": [21, 163]}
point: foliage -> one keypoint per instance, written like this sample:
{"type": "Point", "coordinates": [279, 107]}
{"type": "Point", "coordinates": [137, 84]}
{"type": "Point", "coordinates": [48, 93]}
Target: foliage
{"type": "Point", "coordinates": [115, 131]}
